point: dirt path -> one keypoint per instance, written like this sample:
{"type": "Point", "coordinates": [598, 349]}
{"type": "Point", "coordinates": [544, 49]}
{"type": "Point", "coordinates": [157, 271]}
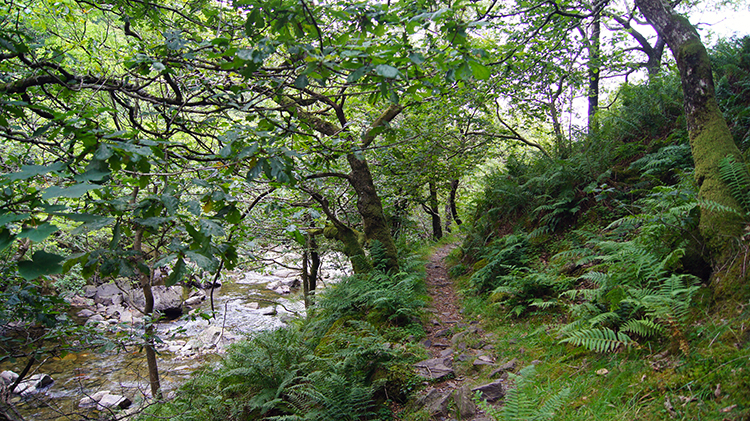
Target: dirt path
{"type": "Point", "coordinates": [445, 305]}
{"type": "Point", "coordinates": [457, 346]}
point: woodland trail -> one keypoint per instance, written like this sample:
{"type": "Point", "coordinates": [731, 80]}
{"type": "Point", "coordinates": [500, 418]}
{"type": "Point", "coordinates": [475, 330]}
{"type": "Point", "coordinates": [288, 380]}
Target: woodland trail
{"type": "Point", "coordinates": [445, 303]}
{"type": "Point", "coordinates": [458, 348]}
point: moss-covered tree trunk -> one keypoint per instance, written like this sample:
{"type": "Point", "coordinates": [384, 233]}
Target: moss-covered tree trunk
{"type": "Point", "coordinates": [710, 140]}
{"type": "Point", "coordinates": [371, 209]}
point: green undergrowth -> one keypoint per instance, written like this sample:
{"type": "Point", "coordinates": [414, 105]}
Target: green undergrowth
{"type": "Point", "coordinates": [635, 383]}
{"type": "Point", "coordinates": [350, 359]}
{"type": "Point", "coordinates": [591, 268]}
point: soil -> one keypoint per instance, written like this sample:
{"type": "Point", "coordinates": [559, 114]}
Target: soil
{"type": "Point", "coordinates": [445, 303]}
{"type": "Point", "coordinates": [446, 321]}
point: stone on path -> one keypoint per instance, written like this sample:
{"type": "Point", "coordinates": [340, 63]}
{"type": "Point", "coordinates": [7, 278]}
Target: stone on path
{"type": "Point", "coordinates": [491, 392]}
{"type": "Point", "coordinates": [435, 368]}
{"type": "Point", "coordinates": [464, 404]}
{"type": "Point", "coordinates": [448, 403]}
{"type": "Point", "coordinates": [509, 366]}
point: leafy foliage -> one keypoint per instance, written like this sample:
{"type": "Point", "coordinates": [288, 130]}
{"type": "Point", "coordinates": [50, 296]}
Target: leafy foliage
{"type": "Point", "coordinates": [735, 174]}
{"type": "Point", "coordinates": [521, 402]}
{"type": "Point", "coordinates": [332, 366]}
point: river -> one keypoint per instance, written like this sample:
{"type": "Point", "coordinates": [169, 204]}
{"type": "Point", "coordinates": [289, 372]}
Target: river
{"type": "Point", "coordinates": [243, 305]}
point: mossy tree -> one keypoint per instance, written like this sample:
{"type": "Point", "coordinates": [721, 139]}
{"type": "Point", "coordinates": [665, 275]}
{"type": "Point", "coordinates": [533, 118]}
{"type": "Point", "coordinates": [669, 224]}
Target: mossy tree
{"type": "Point", "coordinates": [710, 141]}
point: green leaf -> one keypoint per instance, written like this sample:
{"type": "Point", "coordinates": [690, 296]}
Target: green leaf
{"type": "Point", "coordinates": [194, 207]}
{"type": "Point", "coordinates": [211, 228]}
{"type": "Point", "coordinates": [28, 171]}
{"type": "Point", "coordinates": [74, 191]}
{"type": "Point", "coordinates": [464, 72]}
{"type": "Point", "coordinates": [202, 261]}
{"type": "Point", "coordinates": [12, 217]}
{"type": "Point", "coordinates": [42, 263]}
{"type": "Point", "coordinates": [301, 81]}
{"type": "Point", "coordinates": [178, 272]}
{"type": "Point", "coordinates": [116, 234]}
{"type": "Point", "coordinates": [92, 175]}
{"type": "Point", "coordinates": [93, 224]}
{"type": "Point", "coordinates": [357, 74]}
{"type": "Point", "coordinates": [6, 239]}
{"type": "Point", "coordinates": [479, 70]}
{"type": "Point", "coordinates": [39, 233]}
{"type": "Point", "coordinates": [416, 58]}
{"type": "Point", "coordinates": [170, 203]}
{"type": "Point", "coordinates": [386, 71]}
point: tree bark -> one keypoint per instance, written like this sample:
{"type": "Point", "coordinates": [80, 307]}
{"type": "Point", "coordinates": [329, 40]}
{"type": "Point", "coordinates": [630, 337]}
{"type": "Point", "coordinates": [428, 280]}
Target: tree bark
{"type": "Point", "coordinates": [369, 204]}
{"type": "Point", "coordinates": [371, 209]}
{"type": "Point", "coordinates": [594, 64]}
{"type": "Point", "coordinates": [310, 267]}
{"type": "Point", "coordinates": [434, 211]}
{"type": "Point", "coordinates": [452, 201]}
{"type": "Point", "coordinates": [153, 368]}
{"type": "Point", "coordinates": [710, 141]}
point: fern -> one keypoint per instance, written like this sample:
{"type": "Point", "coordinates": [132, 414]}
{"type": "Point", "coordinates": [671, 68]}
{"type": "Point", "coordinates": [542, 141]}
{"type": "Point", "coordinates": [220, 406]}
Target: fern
{"type": "Point", "coordinates": [735, 175]}
{"type": "Point", "coordinates": [522, 402]}
{"type": "Point", "coordinates": [643, 327]}
{"type": "Point", "coordinates": [599, 339]}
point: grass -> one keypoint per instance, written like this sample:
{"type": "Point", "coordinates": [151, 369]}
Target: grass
{"type": "Point", "coordinates": [646, 382]}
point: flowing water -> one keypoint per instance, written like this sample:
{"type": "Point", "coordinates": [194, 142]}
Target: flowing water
{"type": "Point", "coordinates": [243, 305]}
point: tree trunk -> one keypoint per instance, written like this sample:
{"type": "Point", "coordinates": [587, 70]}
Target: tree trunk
{"type": "Point", "coordinates": [594, 65]}
{"type": "Point", "coordinates": [153, 368]}
{"type": "Point", "coordinates": [452, 201]}
{"type": "Point", "coordinates": [710, 141]}
{"type": "Point", "coordinates": [310, 266]}
{"type": "Point", "coordinates": [371, 209]}
{"type": "Point", "coordinates": [437, 227]}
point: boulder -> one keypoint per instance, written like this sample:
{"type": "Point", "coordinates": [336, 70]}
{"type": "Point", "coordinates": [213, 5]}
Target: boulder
{"type": "Point", "coordinates": [104, 400]}
{"type": "Point", "coordinates": [483, 360]}
{"type": "Point", "coordinates": [105, 293]}
{"type": "Point", "coordinates": [115, 310]}
{"type": "Point", "coordinates": [8, 377]}
{"type": "Point", "coordinates": [435, 402]}
{"type": "Point", "coordinates": [282, 290]}
{"type": "Point", "coordinates": [33, 385]}
{"type": "Point", "coordinates": [78, 301]}
{"type": "Point", "coordinates": [85, 313]}
{"type": "Point", "coordinates": [211, 336]}
{"type": "Point", "coordinates": [167, 300]}
{"type": "Point", "coordinates": [89, 291]}
{"type": "Point", "coordinates": [435, 368]}
{"type": "Point", "coordinates": [195, 301]}
{"type": "Point", "coordinates": [491, 392]}
{"type": "Point", "coordinates": [114, 401]}
{"type": "Point", "coordinates": [96, 318]}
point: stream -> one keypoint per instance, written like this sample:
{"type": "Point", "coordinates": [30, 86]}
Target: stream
{"type": "Point", "coordinates": [244, 304]}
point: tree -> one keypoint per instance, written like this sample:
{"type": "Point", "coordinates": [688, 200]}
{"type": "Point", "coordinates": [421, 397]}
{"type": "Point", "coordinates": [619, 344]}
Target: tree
{"type": "Point", "coordinates": [710, 141]}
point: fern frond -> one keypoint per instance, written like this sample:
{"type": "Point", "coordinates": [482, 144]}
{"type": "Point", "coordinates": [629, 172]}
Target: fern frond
{"type": "Point", "coordinates": [599, 340]}
{"type": "Point", "coordinates": [643, 327]}
{"type": "Point", "coordinates": [608, 317]}
{"type": "Point", "coordinates": [735, 175]}
{"type": "Point", "coordinates": [538, 302]}
{"type": "Point", "coordinates": [599, 278]}
{"type": "Point", "coordinates": [712, 206]}
{"type": "Point", "coordinates": [552, 405]}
